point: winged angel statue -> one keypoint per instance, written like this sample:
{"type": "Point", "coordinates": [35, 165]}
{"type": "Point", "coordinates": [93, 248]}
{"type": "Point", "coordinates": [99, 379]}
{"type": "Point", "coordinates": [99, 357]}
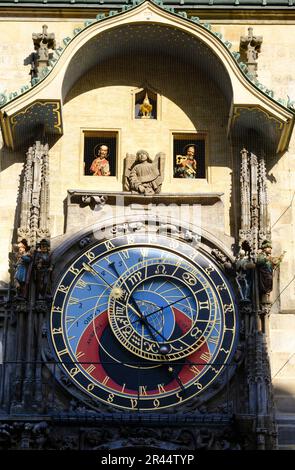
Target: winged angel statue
{"type": "Point", "coordinates": [142, 175]}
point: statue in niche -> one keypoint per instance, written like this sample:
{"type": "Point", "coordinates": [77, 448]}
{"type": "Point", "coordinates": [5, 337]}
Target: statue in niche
{"type": "Point", "coordinates": [100, 165]}
{"type": "Point", "coordinates": [244, 276]}
{"type": "Point", "coordinates": [186, 165]}
{"type": "Point", "coordinates": [22, 269]}
{"type": "Point", "coordinates": [43, 270]}
{"type": "Point", "coordinates": [266, 264]}
{"type": "Point", "coordinates": [146, 108]}
{"type": "Point", "coordinates": [143, 175]}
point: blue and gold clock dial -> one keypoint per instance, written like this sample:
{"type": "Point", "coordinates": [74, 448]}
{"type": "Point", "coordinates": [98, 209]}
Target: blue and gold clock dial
{"type": "Point", "coordinates": [143, 322]}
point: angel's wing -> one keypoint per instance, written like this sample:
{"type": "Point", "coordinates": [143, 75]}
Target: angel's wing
{"type": "Point", "coordinates": [128, 164]}
{"type": "Point", "coordinates": [159, 161]}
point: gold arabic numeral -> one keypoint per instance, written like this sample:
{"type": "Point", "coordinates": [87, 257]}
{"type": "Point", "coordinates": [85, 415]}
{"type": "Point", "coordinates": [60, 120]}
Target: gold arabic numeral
{"type": "Point", "coordinates": [74, 371]}
{"type": "Point", "coordinates": [90, 369]}
{"type": "Point", "coordinates": [179, 396]}
{"type": "Point", "coordinates": [63, 289]}
{"type": "Point", "coordinates": [143, 390]}
{"type": "Point", "coordinates": [57, 310]}
{"type": "Point", "coordinates": [189, 278]}
{"type": "Point", "coordinates": [123, 388]}
{"type": "Point", "coordinates": [57, 331]}
{"type": "Point", "coordinates": [90, 387]}
{"type": "Point", "coordinates": [156, 403]}
{"type": "Point", "coordinates": [111, 398]}
{"type": "Point", "coordinates": [133, 403]}
{"type": "Point", "coordinates": [90, 255]}
{"type": "Point", "coordinates": [74, 270]}
{"type": "Point", "coordinates": [228, 308]}
{"type": "Point", "coordinates": [209, 269]}
{"type": "Point", "coordinates": [105, 380]}
{"type": "Point", "coordinates": [198, 385]}
{"type": "Point", "coordinates": [161, 388]}
{"type": "Point", "coordinates": [130, 239]}
{"type": "Point", "coordinates": [221, 287]}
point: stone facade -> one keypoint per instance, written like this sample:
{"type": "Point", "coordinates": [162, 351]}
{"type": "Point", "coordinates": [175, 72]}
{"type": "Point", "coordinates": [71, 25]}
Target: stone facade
{"type": "Point", "coordinates": [188, 103]}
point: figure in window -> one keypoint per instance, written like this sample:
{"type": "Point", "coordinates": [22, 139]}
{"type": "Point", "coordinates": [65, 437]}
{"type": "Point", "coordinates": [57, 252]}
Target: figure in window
{"type": "Point", "coordinates": [186, 165]}
{"type": "Point", "coordinates": [100, 165]}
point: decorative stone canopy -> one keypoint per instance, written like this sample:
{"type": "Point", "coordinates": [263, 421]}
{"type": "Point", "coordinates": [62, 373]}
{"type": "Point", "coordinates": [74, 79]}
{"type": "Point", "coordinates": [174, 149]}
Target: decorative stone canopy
{"type": "Point", "coordinates": [250, 105]}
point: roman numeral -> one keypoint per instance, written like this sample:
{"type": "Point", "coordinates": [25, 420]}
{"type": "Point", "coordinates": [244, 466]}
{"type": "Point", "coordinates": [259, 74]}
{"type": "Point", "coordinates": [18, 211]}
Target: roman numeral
{"type": "Point", "coordinates": [90, 369]}
{"type": "Point", "coordinates": [74, 301]}
{"type": "Point", "coordinates": [81, 284]}
{"type": "Point", "coordinates": [109, 245]}
{"type": "Point", "coordinates": [205, 356]}
{"type": "Point", "coordinates": [143, 390]}
{"type": "Point", "coordinates": [161, 388]}
{"type": "Point", "coordinates": [204, 304]}
{"type": "Point", "coordinates": [105, 380]}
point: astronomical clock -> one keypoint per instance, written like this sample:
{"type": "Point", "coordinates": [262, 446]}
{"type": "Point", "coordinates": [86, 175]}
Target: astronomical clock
{"type": "Point", "coordinates": [144, 322]}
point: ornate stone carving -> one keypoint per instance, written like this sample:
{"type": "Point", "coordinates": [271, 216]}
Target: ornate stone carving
{"type": "Point", "coordinates": [95, 202]}
{"type": "Point", "coordinates": [43, 42]}
{"type": "Point", "coordinates": [142, 175]}
{"type": "Point", "coordinates": [254, 203]}
{"type": "Point", "coordinates": [250, 47]}
{"type": "Point", "coordinates": [34, 216]}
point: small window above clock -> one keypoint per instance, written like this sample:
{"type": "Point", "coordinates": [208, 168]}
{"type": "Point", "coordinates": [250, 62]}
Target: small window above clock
{"type": "Point", "coordinates": [145, 104]}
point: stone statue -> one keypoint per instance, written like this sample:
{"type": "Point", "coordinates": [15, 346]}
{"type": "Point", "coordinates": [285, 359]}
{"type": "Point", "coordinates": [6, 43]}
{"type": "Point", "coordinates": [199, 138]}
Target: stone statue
{"type": "Point", "coordinates": [186, 165]}
{"type": "Point", "coordinates": [22, 269]}
{"type": "Point", "coordinates": [142, 175]}
{"type": "Point", "coordinates": [266, 264]}
{"type": "Point", "coordinates": [146, 108]}
{"type": "Point", "coordinates": [43, 43]}
{"type": "Point", "coordinates": [100, 165]}
{"type": "Point", "coordinates": [250, 47]}
{"type": "Point", "coordinates": [244, 276]}
{"type": "Point", "coordinates": [43, 270]}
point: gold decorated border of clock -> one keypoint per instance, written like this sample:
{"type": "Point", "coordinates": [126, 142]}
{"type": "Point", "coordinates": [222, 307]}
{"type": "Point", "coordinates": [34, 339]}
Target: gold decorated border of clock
{"type": "Point", "coordinates": [115, 248]}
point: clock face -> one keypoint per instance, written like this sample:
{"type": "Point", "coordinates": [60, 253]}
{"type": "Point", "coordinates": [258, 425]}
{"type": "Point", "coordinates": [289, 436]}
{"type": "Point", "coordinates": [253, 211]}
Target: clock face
{"type": "Point", "coordinates": [143, 322]}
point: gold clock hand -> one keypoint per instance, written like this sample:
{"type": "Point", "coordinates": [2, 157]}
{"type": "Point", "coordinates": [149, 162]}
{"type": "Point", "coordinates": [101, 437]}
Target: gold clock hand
{"type": "Point", "coordinates": [177, 378]}
{"type": "Point", "coordinates": [162, 308]}
{"type": "Point", "coordinates": [95, 273]}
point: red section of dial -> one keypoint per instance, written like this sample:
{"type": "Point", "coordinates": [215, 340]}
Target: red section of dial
{"type": "Point", "coordinates": [88, 353]}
